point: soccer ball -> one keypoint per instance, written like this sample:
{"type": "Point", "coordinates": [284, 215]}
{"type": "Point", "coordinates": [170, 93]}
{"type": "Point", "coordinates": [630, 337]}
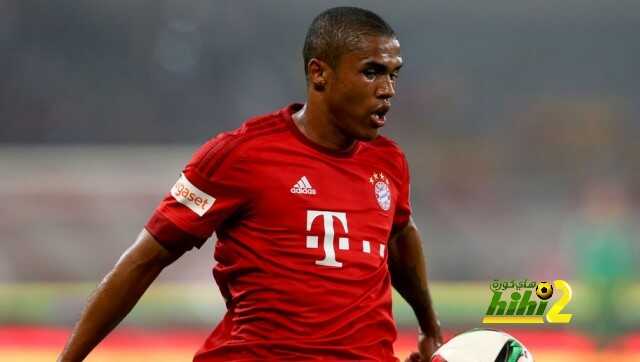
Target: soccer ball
{"type": "Point", "coordinates": [482, 345]}
{"type": "Point", "coordinates": [544, 290]}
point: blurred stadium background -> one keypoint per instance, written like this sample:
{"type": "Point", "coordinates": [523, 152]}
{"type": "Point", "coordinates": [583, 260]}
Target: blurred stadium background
{"type": "Point", "coordinates": [520, 121]}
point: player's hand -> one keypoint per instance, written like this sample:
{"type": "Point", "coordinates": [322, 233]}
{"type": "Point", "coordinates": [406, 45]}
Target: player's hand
{"type": "Point", "coordinates": [427, 345]}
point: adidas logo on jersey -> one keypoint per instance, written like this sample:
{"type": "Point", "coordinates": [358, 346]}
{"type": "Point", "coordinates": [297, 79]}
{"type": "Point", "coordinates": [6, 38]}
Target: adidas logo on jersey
{"type": "Point", "coordinates": [303, 187]}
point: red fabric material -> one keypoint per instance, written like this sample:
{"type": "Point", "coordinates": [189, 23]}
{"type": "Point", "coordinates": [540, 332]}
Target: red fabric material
{"type": "Point", "coordinates": [302, 241]}
{"type": "Point", "coordinates": [171, 236]}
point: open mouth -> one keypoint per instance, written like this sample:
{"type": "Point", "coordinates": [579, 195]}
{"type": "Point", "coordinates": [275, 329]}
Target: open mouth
{"type": "Point", "coordinates": [378, 116]}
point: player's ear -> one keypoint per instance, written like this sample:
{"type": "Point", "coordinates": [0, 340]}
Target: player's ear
{"type": "Point", "coordinates": [318, 73]}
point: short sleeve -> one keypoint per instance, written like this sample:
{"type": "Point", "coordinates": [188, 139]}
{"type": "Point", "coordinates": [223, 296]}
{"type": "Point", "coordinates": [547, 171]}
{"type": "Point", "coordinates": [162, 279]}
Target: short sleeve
{"type": "Point", "coordinates": [403, 204]}
{"type": "Point", "coordinates": [208, 192]}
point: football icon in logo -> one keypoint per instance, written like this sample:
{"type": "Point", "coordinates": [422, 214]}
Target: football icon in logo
{"type": "Point", "coordinates": [544, 290]}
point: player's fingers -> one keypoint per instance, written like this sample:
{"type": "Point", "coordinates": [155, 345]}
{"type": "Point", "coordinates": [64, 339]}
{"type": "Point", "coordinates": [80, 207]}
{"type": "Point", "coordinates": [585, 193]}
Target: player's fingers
{"type": "Point", "coordinates": [429, 349]}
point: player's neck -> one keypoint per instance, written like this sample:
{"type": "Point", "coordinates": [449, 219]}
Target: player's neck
{"type": "Point", "coordinates": [317, 125]}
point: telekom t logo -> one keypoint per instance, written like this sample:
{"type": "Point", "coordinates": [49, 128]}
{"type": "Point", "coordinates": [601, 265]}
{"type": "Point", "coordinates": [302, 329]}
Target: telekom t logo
{"type": "Point", "coordinates": [329, 250]}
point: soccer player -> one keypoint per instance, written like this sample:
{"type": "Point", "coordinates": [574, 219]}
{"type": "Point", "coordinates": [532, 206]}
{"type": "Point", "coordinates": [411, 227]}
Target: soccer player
{"type": "Point", "coordinates": [311, 210]}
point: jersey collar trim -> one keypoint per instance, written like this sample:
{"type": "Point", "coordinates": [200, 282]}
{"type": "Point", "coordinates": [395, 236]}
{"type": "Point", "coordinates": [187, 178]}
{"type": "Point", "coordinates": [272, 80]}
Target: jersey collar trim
{"type": "Point", "coordinates": [287, 115]}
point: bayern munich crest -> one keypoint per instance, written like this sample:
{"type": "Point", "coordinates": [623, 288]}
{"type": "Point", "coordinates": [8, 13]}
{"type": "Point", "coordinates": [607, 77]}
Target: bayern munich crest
{"type": "Point", "coordinates": [381, 189]}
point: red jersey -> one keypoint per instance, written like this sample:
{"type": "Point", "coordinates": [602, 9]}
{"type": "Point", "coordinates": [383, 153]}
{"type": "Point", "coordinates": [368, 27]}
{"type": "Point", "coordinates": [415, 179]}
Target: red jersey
{"type": "Point", "coordinates": [302, 240]}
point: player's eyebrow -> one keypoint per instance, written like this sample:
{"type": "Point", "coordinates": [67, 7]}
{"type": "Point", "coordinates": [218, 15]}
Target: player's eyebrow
{"type": "Point", "coordinates": [381, 67]}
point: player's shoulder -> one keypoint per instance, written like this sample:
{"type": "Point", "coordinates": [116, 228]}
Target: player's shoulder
{"type": "Point", "coordinates": [230, 144]}
{"type": "Point", "coordinates": [386, 154]}
{"type": "Point", "coordinates": [251, 129]}
{"type": "Point", "coordinates": [385, 146]}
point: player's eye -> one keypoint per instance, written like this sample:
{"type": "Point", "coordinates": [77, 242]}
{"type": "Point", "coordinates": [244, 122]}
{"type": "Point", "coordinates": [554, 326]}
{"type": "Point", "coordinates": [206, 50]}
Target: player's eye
{"type": "Point", "coordinates": [394, 76]}
{"type": "Point", "coordinates": [370, 73]}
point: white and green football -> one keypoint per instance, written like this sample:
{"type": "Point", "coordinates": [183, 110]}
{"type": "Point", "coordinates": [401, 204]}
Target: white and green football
{"type": "Point", "coordinates": [482, 345]}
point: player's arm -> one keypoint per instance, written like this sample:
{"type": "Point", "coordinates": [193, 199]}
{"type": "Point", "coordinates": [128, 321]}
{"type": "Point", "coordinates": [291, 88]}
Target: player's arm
{"type": "Point", "coordinates": [409, 277]}
{"type": "Point", "coordinates": [116, 295]}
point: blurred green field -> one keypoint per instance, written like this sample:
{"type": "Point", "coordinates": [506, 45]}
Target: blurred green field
{"type": "Point", "coordinates": [459, 305]}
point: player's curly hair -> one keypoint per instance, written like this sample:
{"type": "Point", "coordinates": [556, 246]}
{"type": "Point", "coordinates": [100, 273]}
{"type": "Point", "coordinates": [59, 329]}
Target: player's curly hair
{"type": "Point", "coordinates": [339, 30]}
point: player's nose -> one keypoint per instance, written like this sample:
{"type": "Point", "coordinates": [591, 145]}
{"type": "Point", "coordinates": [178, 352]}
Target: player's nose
{"type": "Point", "coordinates": [386, 89]}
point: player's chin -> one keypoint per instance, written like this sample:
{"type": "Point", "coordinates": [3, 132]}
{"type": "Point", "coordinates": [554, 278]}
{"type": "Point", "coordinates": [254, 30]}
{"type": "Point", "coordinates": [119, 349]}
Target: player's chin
{"type": "Point", "coordinates": [366, 130]}
{"type": "Point", "coordinates": [368, 134]}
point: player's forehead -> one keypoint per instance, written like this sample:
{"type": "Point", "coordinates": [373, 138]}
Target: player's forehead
{"type": "Point", "coordinates": [383, 50]}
